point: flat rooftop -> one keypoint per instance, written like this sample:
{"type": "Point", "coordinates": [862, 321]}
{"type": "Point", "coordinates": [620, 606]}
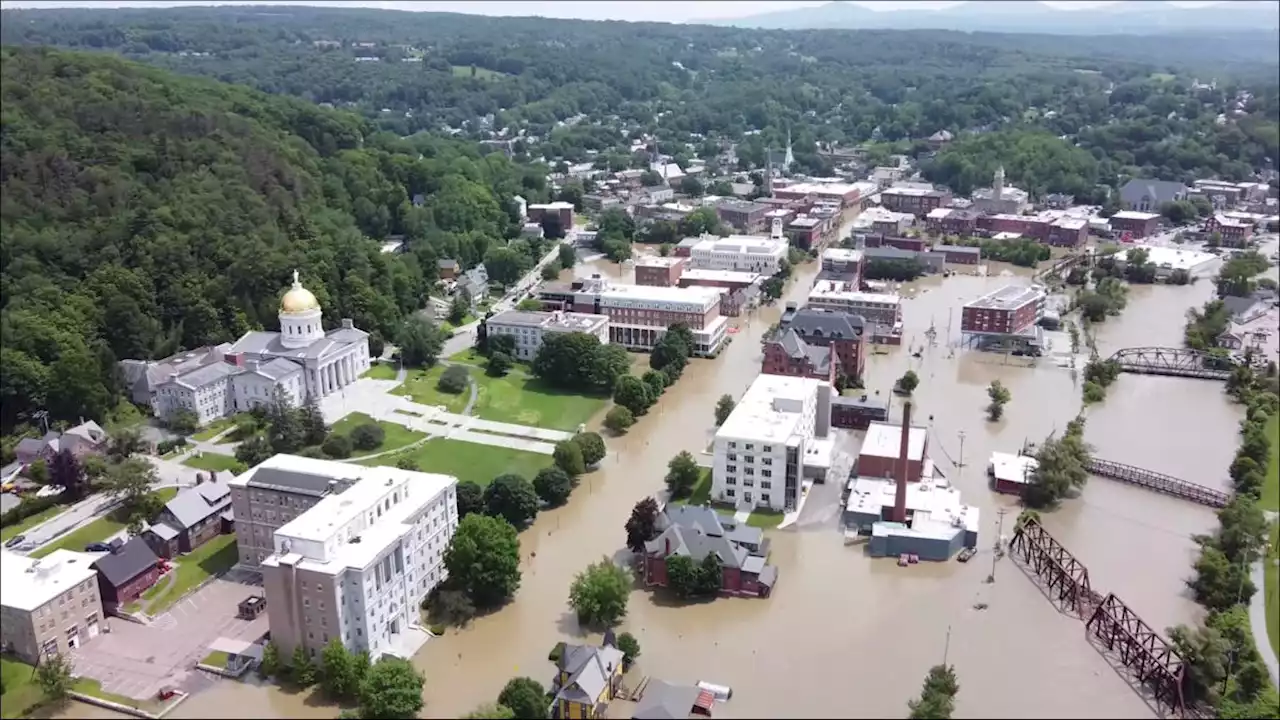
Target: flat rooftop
{"type": "Point", "coordinates": [742, 245]}
{"type": "Point", "coordinates": [941, 502]}
{"type": "Point", "coordinates": [550, 320]}
{"type": "Point", "coordinates": [842, 255]}
{"type": "Point", "coordinates": [884, 440]}
{"type": "Point", "coordinates": [1009, 297]}
{"type": "Point", "coordinates": [657, 261]}
{"type": "Point", "coordinates": [1134, 215]}
{"type": "Point", "coordinates": [771, 410]}
{"type": "Point", "coordinates": [1170, 257]}
{"type": "Point", "coordinates": [28, 583]}
{"type": "Point", "coordinates": [836, 289]}
{"type": "Point", "coordinates": [913, 191]}
{"type": "Point", "coordinates": [732, 276]}
{"type": "Point", "coordinates": [1012, 468]}
{"type": "Point", "coordinates": [328, 517]}
{"type": "Point", "coordinates": [807, 188]}
{"type": "Point", "coordinates": [701, 296]}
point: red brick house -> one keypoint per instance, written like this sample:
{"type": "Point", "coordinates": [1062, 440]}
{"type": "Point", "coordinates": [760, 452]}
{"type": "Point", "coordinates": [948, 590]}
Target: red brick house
{"type": "Point", "coordinates": [126, 572]}
{"type": "Point", "coordinates": [843, 332]}
{"type": "Point", "coordinates": [788, 354]}
{"type": "Point", "coordinates": [696, 531]}
{"type": "Point", "coordinates": [1235, 233]}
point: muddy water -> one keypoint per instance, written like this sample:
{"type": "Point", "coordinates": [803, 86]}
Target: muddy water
{"type": "Point", "coordinates": [843, 635]}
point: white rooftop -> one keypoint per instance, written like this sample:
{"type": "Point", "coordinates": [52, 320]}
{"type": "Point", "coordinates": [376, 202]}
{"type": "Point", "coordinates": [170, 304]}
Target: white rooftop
{"type": "Point", "coordinates": [826, 188]}
{"type": "Point", "coordinates": [842, 255]}
{"type": "Point", "coordinates": [1135, 215]}
{"type": "Point", "coordinates": [835, 289]}
{"type": "Point", "coordinates": [657, 261]}
{"type": "Point", "coordinates": [935, 504]}
{"type": "Point", "coordinates": [656, 293]}
{"type": "Point", "coordinates": [558, 205]}
{"type": "Point", "coordinates": [1012, 468]}
{"type": "Point", "coordinates": [1170, 257]}
{"type": "Point", "coordinates": [884, 440]}
{"type": "Point", "coordinates": [743, 245]}
{"type": "Point", "coordinates": [734, 276]}
{"type": "Point", "coordinates": [28, 583]}
{"type": "Point", "coordinates": [771, 410]}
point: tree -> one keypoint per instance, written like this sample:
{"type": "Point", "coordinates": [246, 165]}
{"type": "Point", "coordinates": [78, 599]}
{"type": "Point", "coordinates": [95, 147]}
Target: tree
{"type": "Point", "coordinates": [630, 648]}
{"type": "Point", "coordinates": [183, 422]}
{"type": "Point", "coordinates": [691, 186]}
{"type": "Point", "coordinates": [470, 497]}
{"type": "Point", "coordinates": [657, 382]}
{"type": "Point", "coordinates": [619, 419]}
{"type": "Point", "coordinates": [450, 607]}
{"type": "Point", "coordinates": [642, 526]}
{"type": "Point", "coordinates": [553, 485]}
{"type": "Point", "coordinates": [682, 575]}
{"type": "Point", "coordinates": [284, 424]}
{"type": "Point", "coordinates": [504, 265]}
{"type": "Point", "coordinates": [367, 436]}
{"type": "Point", "coordinates": [483, 559]}
{"type": "Point", "coordinates": [131, 481]}
{"type": "Point", "coordinates": [314, 431]}
{"type": "Point", "coordinates": [999, 395]}
{"type": "Point", "coordinates": [65, 470]}
{"type": "Point", "coordinates": [338, 671]}
{"type": "Point", "coordinates": [526, 698]}
{"type": "Point", "coordinates": [269, 666]}
{"type": "Point", "coordinates": [908, 382]}
{"type": "Point", "coordinates": [254, 451]}
{"type": "Point", "coordinates": [599, 594]}
{"type": "Point", "coordinates": [125, 444]}
{"type": "Point", "coordinates": [1061, 467]}
{"type": "Point", "coordinates": [592, 445]}
{"type": "Point", "coordinates": [53, 675]}
{"type": "Point", "coordinates": [459, 308]}
{"type": "Point", "coordinates": [337, 446]}
{"type": "Point", "coordinates": [420, 341]}
{"type": "Point", "coordinates": [38, 472]}
{"type": "Point", "coordinates": [551, 227]}
{"type": "Point", "coordinates": [577, 361]}
{"type": "Point", "coordinates": [566, 256]}
{"type": "Point", "coordinates": [550, 271]}
{"type": "Point", "coordinates": [453, 380]}
{"type": "Point", "coordinates": [709, 578]}
{"type": "Point", "coordinates": [512, 497]}
{"type": "Point", "coordinates": [505, 344]}
{"type": "Point", "coordinates": [301, 670]}
{"type": "Point", "coordinates": [492, 711]}
{"type": "Point", "coordinates": [1219, 583]}
{"type": "Point", "coordinates": [632, 394]}
{"type": "Point", "coordinates": [682, 474]}
{"type": "Point", "coordinates": [568, 457]}
{"type": "Point", "coordinates": [392, 690]}
{"type": "Point", "coordinates": [724, 408]}
{"type": "Point", "coordinates": [499, 364]}
{"type": "Point", "coordinates": [937, 697]}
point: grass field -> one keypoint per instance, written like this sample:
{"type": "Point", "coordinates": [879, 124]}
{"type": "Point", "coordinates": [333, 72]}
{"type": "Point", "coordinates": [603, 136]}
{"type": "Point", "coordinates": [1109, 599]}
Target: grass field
{"type": "Point", "coordinates": [29, 522]}
{"type": "Point", "coordinates": [528, 401]}
{"type": "Point", "coordinates": [469, 461]}
{"type": "Point", "coordinates": [21, 691]}
{"type": "Point", "coordinates": [420, 386]}
{"type": "Point", "coordinates": [1271, 586]}
{"type": "Point", "coordinates": [450, 327]}
{"type": "Point", "coordinates": [395, 436]}
{"type": "Point", "coordinates": [96, 531]}
{"type": "Point", "coordinates": [208, 432]}
{"type": "Point", "coordinates": [1271, 489]}
{"type": "Point", "coordinates": [380, 371]}
{"type": "Point", "coordinates": [213, 558]}
{"type": "Point", "coordinates": [214, 461]}
{"type": "Point", "coordinates": [89, 686]}
{"type": "Point", "coordinates": [701, 490]}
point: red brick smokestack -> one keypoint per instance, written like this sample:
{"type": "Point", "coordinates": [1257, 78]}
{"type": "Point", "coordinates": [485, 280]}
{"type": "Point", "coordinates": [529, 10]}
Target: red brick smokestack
{"type": "Point", "coordinates": [904, 465]}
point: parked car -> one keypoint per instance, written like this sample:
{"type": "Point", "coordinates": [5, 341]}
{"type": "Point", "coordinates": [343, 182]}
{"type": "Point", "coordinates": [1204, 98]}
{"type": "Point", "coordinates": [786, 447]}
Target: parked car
{"type": "Point", "coordinates": [15, 540]}
{"type": "Point", "coordinates": [97, 547]}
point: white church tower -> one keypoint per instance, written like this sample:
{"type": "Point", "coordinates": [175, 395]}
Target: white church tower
{"type": "Point", "coordinates": [299, 317]}
{"type": "Point", "coordinates": [997, 185]}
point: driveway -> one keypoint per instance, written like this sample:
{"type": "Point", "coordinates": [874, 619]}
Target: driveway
{"type": "Point", "coordinates": [139, 660]}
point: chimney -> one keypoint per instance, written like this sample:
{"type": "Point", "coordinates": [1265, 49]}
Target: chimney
{"type": "Point", "coordinates": [348, 324]}
{"type": "Point", "coordinates": [904, 464]}
{"type": "Point", "coordinates": [199, 478]}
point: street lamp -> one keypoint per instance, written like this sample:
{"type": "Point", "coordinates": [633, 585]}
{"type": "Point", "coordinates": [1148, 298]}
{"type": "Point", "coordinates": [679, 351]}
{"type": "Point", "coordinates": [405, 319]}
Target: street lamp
{"type": "Point", "coordinates": [961, 463]}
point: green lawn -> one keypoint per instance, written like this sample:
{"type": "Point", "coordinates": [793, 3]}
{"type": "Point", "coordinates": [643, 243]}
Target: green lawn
{"type": "Point", "coordinates": [420, 386]}
{"type": "Point", "coordinates": [475, 359]}
{"type": "Point", "coordinates": [395, 436]}
{"type": "Point", "coordinates": [528, 401]}
{"type": "Point", "coordinates": [214, 557]}
{"type": "Point", "coordinates": [380, 371]}
{"type": "Point", "coordinates": [1271, 586]}
{"type": "Point", "coordinates": [764, 519]}
{"type": "Point", "coordinates": [1271, 489]}
{"type": "Point", "coordinates": [208, 432]}
{"type": "Point", "coordinates": [21, 691]}
{"type": "Point", "coordinates": [214, 461]}
{"type": "Point", "coordinates": [701, 490]}
{"type": "Point", "coordinates": [217, 658]}
{"type": "Point", "coordinates": [96, 531]}
{"type": "Point", "coordinates": [125, 415]}
{"type": "Point", "coordinates": [450, 327]}
{"type": "Point", "coordinates": [89, 686]}
{"type": "Point", "coordinates": [29, 522]}
{"type": "Point", "coordinates": [469, 461]}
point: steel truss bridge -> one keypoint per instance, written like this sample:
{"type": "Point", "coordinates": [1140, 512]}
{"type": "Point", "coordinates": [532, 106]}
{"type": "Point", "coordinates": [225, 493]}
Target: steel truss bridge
{"type": "Point", "coordinates": [1174, 362]}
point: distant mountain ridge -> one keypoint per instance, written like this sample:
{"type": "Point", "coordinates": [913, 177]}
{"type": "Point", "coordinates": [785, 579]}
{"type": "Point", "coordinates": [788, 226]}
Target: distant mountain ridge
{"type": "Point", "coordinates": [1128, 17]}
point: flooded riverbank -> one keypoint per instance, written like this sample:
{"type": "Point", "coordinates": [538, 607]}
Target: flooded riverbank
{"type": "Point", "coordinates": [843, 635]}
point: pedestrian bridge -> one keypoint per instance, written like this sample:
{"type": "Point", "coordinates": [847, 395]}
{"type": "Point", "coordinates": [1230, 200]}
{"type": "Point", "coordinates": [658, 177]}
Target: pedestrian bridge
{"type": "Point", "coordinates": [1174, 362]}
{"type": "Point", "coordinates": [1159, 482]}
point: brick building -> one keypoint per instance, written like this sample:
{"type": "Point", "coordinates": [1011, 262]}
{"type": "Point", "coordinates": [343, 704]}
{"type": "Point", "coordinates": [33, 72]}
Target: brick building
{"type": "Point", "coordinates": [843, 332]}
{"type": "Point", "coordinates": [952, 221]}
{"type": "Point", "coordinates": [659, 271]}
{"type": "Point", "coordinates": [913, 200]}
{"type": "Point", "coordinates": [744, 216]}
{"type": "Point", "coordinates": [1135, 224]}
{"type": "Point", "coordinates": [1235, 233]}
{"type": "Point", "coordinates": [788, 354]}
{"type": "Point", "coordinates": [1007, 311]}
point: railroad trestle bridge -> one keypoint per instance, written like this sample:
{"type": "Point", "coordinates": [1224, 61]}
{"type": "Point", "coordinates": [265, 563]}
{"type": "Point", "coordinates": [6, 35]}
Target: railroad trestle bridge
{"type": "Point", "coordinates": [1174, 362]}
{"type": "Point", "coordinates": [1148, 657]}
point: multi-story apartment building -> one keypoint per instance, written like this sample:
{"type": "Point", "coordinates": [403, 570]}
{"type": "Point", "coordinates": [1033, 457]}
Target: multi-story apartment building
{"type": "Point", "coordinates": [528, 328]}
{"type": "Point", "coordinates": [914, 200]}
{"type": "Point", "coordinates": [1007, 311]}
{"type": "Point", "coordinates": [268, 496]}
{"type": "Point", "coordinates": [844, 264]}
{"type": "Point", "coordinates": [742, 215]}
{"type": "Point", "coordinates": [639, 315]}
{"type": "Point", "coordinates": [357, 565]}
{"type": "Point", "coordinates": [761, 450]}
{"type": "Point", "coordinates": [562, 210]}
{"type": "Point", "coordinates": [659, 271]}
{"type": "Point", "coordinates": [748, 253]}
{"type": "Point", "coordinates": [1235, 233]}
{"type": "Point", "coordinates": [952, 221]}
{"type": "Point", "coordinates": [879, 308]}
{"type": "Point", "coordinates": [1134, 223]}
{"type": "Point", "coordinates": [48, 606]}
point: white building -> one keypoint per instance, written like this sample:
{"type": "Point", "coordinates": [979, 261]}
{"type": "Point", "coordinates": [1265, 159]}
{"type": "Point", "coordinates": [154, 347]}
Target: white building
{"type": "Point", "coordinates": [747, 253]}
{"type": "Point", "coordinates": [639, 315]}
{"type": "Point", "coordinates": [528, 328]}
{"type": "Point", "coordinates": [48, 606]}
{"type": "Point", "coordinates": [761, 450]}
{"type": "Point", "coordinates": [881, 308]}
{"type": "Point", "coordinates": [1168, 259]}
{"type": "Point", "coordinates": [302, 360]}
{"type": "Point", "coordinates": [357, 565]}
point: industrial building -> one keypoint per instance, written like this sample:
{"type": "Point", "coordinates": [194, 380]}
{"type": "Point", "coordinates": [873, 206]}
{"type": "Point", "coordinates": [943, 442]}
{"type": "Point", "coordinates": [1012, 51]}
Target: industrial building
{"type": "Point", "coordinates": [924, 518]}
{"type": "Point", "coordinates": [778, 434]}
{"type": "Point", "coordinates": [1168, 259]}
{"type": "Point", "coordinates": [1010, 474]}
{"type": "Point", "coordinates": [357, 565]}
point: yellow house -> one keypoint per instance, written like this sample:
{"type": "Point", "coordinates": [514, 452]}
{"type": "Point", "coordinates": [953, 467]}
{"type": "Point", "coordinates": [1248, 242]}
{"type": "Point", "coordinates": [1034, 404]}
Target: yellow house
{"type": "Point", "coordinates": [587, 678]}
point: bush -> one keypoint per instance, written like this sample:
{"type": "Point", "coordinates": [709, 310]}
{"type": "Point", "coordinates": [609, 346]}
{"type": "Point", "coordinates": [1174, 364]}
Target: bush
{"type": "Point", "coordinates": [453, 380]}
{"type": "Point", "coordinates": [367, 436]}
{"type": "Point", "coordinates": [619, 419]}
{"type": "Point", "coordinates": [29, 506]}
{"type": "Point", "coordinates": [337, 446]}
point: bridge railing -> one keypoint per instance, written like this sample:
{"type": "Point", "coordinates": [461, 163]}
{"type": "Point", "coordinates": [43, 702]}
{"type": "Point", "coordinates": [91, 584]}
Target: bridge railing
{"type": "Point", "coordinates": [1159, 482]}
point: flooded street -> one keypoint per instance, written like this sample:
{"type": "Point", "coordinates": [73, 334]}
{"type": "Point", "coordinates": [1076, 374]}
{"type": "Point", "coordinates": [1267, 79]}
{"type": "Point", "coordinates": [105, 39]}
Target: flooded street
{"type": "Point", "coordinates": [844, 635]}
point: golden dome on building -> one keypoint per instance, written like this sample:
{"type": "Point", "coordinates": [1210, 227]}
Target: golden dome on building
{"type": "Point", "coordinates": [298, 299]}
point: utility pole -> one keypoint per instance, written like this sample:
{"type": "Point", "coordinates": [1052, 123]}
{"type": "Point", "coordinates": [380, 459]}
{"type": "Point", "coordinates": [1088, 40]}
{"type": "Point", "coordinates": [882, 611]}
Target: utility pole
{"type": "Point", "coordinates": [946, 648]}
{"type": "Point", "coordinates": [961, 464]}
{"type": "Point", "coordinates": [999, 532]}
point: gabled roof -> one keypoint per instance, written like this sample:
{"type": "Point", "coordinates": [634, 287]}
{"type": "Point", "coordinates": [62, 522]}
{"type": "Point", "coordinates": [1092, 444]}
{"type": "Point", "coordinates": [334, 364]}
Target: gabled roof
{"type": "Point", "coordinates": [1158, 190]}
{"type": "Point", "coordinates": [815, 322]}
{"type": "Point", "coordinates": [665, 701]}
{"type": "Point", "coordinates": [589, 669]}
{"type": "Point", "coordinates": [194, 504]}
{"type": "Point", "coordinates": [818, 357]}
{"type": "Point", "coordinates": [128, 562]}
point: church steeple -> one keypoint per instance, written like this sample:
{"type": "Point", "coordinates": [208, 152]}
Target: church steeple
{"type": "Point", "coordinates": [790, 157]}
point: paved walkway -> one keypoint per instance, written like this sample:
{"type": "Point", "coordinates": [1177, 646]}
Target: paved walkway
{"type": "Point", "coordinates": [1258, 612]}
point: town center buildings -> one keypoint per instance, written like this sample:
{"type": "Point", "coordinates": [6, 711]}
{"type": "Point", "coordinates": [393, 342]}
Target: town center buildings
{"type": "Point", "coordinates": [48, 606]}
{"type": "Point", "coordinates": [746, 253]}
{"type": "Point", "coordinates": [357, 565]}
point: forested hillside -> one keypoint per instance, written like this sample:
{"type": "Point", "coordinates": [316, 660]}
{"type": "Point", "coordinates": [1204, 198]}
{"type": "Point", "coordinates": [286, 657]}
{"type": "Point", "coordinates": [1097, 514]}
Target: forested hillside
{"type": "Point", "coordinates": [142, 212]}
{"type": "Point", "coordinates": [695, 84]}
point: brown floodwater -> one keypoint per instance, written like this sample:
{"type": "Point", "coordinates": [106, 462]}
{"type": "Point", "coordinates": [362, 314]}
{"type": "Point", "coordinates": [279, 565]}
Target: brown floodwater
{"type": "Point", "coordinates": [844, 635]}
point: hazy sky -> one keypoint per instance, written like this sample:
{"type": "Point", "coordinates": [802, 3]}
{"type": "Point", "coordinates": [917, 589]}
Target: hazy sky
{"type": "Point", "coordinates": [652, 11]}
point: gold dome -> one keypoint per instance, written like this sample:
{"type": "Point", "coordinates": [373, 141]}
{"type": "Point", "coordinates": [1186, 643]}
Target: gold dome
{"type": "Point", "coordinates": [298, 299]}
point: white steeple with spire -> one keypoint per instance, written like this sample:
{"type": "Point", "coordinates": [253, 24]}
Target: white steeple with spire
{"type": "Point", "coordinates": [790, 157]}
